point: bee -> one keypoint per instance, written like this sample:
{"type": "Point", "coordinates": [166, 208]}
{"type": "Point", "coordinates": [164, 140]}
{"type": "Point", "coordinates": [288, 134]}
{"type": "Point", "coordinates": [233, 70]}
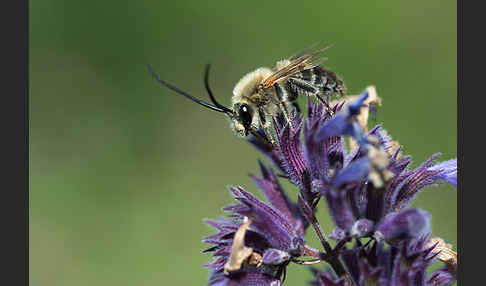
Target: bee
{"type": "Point", "coordinates": [264, 93]}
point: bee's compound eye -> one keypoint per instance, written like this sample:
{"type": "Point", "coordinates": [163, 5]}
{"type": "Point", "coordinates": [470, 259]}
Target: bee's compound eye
{"type": "Point", "coordinates": [245, 113]}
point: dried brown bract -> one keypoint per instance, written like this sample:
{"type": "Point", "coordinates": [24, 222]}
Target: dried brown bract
{"type": "Point", "coordinates": [445, 253]}
{"type": "Point", "coordinates": [239, 252]}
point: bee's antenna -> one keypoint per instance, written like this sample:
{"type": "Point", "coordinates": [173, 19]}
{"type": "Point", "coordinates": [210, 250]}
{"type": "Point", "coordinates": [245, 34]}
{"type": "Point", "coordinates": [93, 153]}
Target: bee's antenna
{"type": "Point", "coordinates": [208, 89]}
{"type": "Point", "coordinates": [205, 104]}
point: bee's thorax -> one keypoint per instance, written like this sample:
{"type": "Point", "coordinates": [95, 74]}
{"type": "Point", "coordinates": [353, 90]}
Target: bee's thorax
{"type": "Point", "coordinates": [247, 85]}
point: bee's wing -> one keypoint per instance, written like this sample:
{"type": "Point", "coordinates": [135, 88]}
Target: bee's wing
{"type": "Point", "coordinates": [295, 65]}
{"type": "Point", "coordinates": [305, 51]}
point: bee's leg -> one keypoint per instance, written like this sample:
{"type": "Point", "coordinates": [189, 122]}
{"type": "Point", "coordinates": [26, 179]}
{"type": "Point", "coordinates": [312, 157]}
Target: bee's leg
{"type": "Point", "coordinates": [293, 97]}
{"type": "Point", "coordinates": [269, 135]}
{"type": "Point", "coordinates": [296, 105]}
{"type": "Point", "coordinates": [264, 139]}
{"type": "Point", "coordinates": [285, 111]}
{"type": "Point", "coordinates": [282, 96]}
{"type": "Point", "coordinates": [266, 126]}
{"type": "Point", "coordinates": [326, 103]}
{"type": "Point", "coordinates": [322, 100]}
{"type": "Point", "coordinates": [310, 89]}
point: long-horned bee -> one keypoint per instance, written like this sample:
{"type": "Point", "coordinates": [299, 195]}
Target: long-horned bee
{"type": "Point", "coordinates": [264, 93]}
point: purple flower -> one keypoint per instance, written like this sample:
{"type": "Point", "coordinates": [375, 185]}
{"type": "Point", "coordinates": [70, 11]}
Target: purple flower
{"type": "Point", "coordinates": [277, 197]}
{"type": "Point", "coordinates": [405, 264]}
{"type": "Point", "coordinates": [367, 188]}
{"type": "Point", "coordinates": [406, 224]}
{"type": "Point", "coordinates": [274, 235]}
{"type": "Point", "coordinates": [368, 183]}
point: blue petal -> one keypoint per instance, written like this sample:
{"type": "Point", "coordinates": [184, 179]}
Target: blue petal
{"type": "Point", "coordinates": [343, 123]}
{"type": "Point", "coordinates": [355, 106]}
{"type": "Point", "coordinates": [448, 171]}
{"type": "Point", "coordinates": [354, 172]}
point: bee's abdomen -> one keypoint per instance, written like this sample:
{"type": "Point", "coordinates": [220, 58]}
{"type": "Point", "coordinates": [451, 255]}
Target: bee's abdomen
{"type": "Point", "coordinates": [316, 80]}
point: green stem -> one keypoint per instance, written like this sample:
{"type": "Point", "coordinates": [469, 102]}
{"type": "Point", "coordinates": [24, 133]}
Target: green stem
{"type": "Point", "coordinates": [333, 260]}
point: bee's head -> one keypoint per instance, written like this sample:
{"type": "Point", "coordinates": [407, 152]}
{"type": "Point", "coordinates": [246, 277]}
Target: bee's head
{"type": "Point", "coordinates": [242, 118]}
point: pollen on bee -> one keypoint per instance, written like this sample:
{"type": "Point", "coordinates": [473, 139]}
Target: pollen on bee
{"type": "Point", "coordinates": [239, 128]}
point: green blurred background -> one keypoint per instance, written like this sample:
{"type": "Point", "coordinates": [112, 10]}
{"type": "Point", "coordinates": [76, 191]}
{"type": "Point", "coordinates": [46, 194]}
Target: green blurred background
{"type": "Point", "coordinates": [122, 171]}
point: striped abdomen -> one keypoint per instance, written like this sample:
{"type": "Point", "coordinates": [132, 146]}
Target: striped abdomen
{"type": "Point", "coordinates": [315, 80]}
